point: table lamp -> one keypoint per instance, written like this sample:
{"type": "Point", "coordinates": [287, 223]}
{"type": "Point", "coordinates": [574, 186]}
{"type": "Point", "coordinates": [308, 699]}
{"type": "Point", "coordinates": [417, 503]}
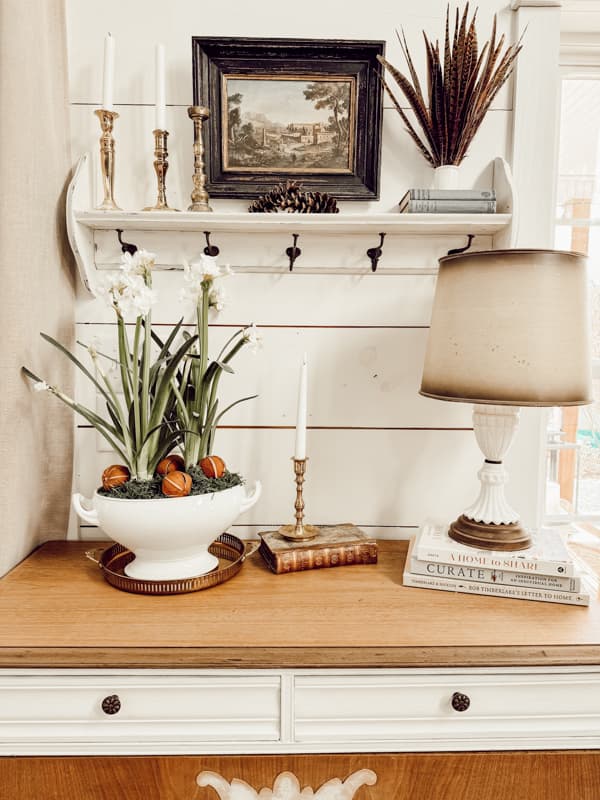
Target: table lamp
{"type": "Point", "coordinates": [509, 328]}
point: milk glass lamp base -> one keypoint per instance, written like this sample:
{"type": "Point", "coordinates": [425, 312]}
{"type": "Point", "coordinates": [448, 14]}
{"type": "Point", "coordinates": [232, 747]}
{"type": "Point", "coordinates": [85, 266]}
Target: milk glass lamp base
{"type": "Point", "coordinates": [490, 523]}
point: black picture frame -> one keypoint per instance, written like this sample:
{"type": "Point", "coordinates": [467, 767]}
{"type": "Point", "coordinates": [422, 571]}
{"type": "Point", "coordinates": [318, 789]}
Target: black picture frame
{"type": "Point", "coordinates": [353, 64]}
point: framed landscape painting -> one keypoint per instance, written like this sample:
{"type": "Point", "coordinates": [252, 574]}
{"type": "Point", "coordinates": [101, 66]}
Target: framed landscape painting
{"type": "Point", "coordinates": [286, 108]}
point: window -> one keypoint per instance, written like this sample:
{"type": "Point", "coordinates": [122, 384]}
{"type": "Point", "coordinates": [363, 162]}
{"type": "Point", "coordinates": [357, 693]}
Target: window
{"type": "Point", "coordinates": [573, 455]}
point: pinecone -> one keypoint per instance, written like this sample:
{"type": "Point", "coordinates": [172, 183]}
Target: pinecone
{"type": "Point", "coordinates": [288, 197]}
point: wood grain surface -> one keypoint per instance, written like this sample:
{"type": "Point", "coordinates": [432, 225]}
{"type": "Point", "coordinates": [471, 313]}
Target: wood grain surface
{"type": "Point", "coordinates": [442, 776]}
{"type": "Point", "coordinates": [57, 610]}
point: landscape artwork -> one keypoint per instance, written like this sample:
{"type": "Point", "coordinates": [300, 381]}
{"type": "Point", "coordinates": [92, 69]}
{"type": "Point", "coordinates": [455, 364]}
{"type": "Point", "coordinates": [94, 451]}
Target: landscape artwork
{"type": "Point", "coordinates": [287, 123]}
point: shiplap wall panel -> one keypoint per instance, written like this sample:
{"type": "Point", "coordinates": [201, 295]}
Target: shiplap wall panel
{"type": "Point", "coordinates": [137, 27]}
{"type": "Point", "coordinates": [353, 327]}
{"type": "Point", "coordinates": [359, 377]}
{"type": "Point", "coordinates": [295, 300]}
{"type": "Point", "coordinates": [368, 477]}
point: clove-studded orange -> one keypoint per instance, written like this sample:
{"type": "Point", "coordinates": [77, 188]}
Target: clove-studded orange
{"type": "Point", "coordinates": [170, 464]}
{"type": "Point", "coordinates": [213, 466]}
{"type": "Point", "coordinates": [115, 475]}
{"type": "Point", "coordinates": [176, 484]}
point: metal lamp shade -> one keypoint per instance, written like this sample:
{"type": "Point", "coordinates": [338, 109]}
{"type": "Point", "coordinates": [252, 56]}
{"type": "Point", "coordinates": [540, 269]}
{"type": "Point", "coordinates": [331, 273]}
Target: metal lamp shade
{"type": "Point", "coordinates": [510, 327]}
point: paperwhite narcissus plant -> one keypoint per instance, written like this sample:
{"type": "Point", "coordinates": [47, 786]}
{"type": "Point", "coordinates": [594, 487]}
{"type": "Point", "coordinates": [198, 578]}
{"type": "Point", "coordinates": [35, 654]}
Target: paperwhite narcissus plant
{"type": "Point", "coordinates": [166, 393]}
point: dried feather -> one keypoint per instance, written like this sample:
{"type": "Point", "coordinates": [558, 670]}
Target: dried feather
{"type": "Point", "coordinates": [414, 135]}
{"type": "Point", "coordinates": [429, 54]}
{"type": "Point", "coordinates": [438, 117]}
{"type": "Point", "coordinates": [500, 77]}
{"type": "Point", "coordinates": [411, 68]}
{"type": "Point", "coordinates": [434, 100]}
{"type": "Point", "coordinates": [460, 50]}
{"type": "Point", "coordinates": [461, 85]}
{"type": "Point", "coordinates": [447, 50]}
{"type": "Point", "coordinates": [416, 101]}
{"type": "Point", "coordinates": [464, 110]}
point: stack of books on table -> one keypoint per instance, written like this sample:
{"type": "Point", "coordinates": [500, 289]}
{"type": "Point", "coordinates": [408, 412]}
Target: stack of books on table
{"type": "Point", "coordinates": [448, 201]}
{"type": "Point", "coordinates": [547, 571]}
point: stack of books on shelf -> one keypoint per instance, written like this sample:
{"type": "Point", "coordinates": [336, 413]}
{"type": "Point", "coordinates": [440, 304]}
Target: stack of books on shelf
{"type": "Point", "coordinates": [448, 201]}
{"type": "Point", "coordinates": [547, 571]}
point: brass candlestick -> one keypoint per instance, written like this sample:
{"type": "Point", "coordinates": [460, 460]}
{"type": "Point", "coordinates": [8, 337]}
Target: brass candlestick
{"type": "Point", "coordinates": [200, 198]}
{"type": "Point", "coordinates": [299, 531]}
{"type": "Point", "coordinates": [161, 165]}
{"type": "Point", "coordinates": [107, 158]}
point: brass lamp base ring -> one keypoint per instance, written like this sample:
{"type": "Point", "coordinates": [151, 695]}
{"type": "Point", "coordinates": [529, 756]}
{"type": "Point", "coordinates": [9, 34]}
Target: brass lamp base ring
{"type": "Point", "coordinates": [489, 537]}
{"type": "Point", "coordinates": [292, 532]}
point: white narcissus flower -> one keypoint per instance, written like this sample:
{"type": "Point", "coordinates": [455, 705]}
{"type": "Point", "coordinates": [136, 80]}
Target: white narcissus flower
{"type": "Point", "coordinates": [140, 263]}
{"type": "Point", "coordinates": [206, 267]}
{"type": "Point", "coordinates": [253, 338]}
{"type": "Point", "coordinates": [192, 288]}
{"type": "Point", "coordinates": [203, 270]}
{"type": "Point", "coordinates": [127, 293]}
{"type": "Point", "coordinates": [138, 302]}
{"type": "Point", "coordinates": [216, 299]}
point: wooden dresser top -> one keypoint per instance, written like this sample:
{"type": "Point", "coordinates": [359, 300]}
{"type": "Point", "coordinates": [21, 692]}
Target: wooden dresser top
{"type": "Point", "coordinates": [56, 610]}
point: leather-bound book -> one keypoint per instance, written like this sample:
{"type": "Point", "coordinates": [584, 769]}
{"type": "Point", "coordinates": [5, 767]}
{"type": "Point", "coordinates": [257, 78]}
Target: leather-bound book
{"type": "Point", "coordinates": [334, 546]}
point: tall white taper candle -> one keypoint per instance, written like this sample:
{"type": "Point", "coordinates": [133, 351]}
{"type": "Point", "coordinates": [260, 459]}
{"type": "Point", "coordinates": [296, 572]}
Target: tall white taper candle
{"type": "Point", "coordinates": [109, 72]}
{"type": "Point", "coordinates": [161, 111]}
{"type": "Point", "coordinates": [300, 450]}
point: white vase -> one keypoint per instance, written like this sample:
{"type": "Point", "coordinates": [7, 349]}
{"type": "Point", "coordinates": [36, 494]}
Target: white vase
{"type": "Point", "coordinates": [446, 177]}
{"type": "Point", "coordinates": [169, 536]}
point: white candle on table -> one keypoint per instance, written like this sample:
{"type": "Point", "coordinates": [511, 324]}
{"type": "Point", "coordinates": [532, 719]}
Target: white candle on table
{"type": "Point", "coordinates": [161, 110]}
{"type": "Point", "coordinates": [300, 451]}
{"type": "Point", "coordinates": [109, 72]}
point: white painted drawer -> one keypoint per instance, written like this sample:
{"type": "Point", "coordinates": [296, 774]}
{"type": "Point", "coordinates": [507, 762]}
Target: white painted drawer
{"type": "Point", "coordinates": [409, 707]}
{"type": "Point", "coordinates": [174, 707]}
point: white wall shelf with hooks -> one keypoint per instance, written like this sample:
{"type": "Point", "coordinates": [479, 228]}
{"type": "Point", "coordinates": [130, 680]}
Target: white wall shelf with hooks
{"type": "Point", "coordinates": [258, 242]}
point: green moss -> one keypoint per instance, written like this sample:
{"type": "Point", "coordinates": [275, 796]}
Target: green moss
{"type": "Point", "coordinates": [148, 490]}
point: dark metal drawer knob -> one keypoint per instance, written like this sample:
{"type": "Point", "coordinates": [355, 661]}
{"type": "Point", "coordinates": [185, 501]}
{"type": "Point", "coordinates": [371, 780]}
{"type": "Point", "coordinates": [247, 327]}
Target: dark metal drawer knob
{"type": "Point", "coordinates": [111, 704]}
{"type": "Point", "coordinates": [460, 702]}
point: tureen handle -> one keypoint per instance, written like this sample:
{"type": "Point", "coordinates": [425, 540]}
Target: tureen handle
{"type": "Point", "coordinates": [88, 515]}
{"type": "Point", "coordinates": [251, 498]}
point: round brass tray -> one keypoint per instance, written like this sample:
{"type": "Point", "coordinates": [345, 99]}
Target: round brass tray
{"type": "Point", "coordinates": [230, 551]}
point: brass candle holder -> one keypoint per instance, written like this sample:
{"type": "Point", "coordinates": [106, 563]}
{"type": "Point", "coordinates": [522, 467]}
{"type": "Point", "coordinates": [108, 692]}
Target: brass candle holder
{"type": "Point", "coordinates": [299, 531]}
{"type": "Point", "coordinates": [107, 158]}
{"type": "Point", "coordinates": [200, 198]}
{"type": "Point", "coordinates": [161, 165]}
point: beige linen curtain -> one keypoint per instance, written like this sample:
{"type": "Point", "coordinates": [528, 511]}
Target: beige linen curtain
{"type": "Point", "coordinates": [37, 282]}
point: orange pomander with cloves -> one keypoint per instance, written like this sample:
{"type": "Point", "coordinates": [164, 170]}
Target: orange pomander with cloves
{"type": "Point", "coordinates": [176, 484]}
{"type": "Point", "coordinates": [115, 475]}
{"type": "Point", "coordinates": [170, 464]}
{"type": "Point", "coordinates": [213, 466]}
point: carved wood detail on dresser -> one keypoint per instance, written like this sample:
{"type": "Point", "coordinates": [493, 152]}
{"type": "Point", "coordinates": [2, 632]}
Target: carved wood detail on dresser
{"type": "Point", "coordinates": [321, 675]}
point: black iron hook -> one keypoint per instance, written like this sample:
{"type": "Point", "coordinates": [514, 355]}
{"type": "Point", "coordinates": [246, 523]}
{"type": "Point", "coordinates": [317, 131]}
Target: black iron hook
{"type": "Point", "coordinates": [375, 253]}
{"type": "Point", "coordinates": [210, 249]}
{"type": "Point", "coordinates": [126, 247]}
{"type": "Point", "coordinates": [457, 250]}
{"type": "Point", "coordinates": [293, 252]}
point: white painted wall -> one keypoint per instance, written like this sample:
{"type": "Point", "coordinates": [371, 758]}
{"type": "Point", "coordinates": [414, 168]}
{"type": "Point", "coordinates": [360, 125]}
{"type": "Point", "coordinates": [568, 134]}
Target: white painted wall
{"type": "Point", "coordinates": [381, 456]}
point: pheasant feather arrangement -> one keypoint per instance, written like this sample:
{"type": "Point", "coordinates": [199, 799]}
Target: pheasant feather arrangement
{"type": "Point", "coordinates": [461, 85]}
